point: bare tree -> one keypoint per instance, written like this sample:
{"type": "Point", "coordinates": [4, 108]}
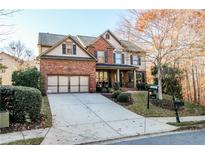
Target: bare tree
{"type": "Point", "coordinates": [19, 50]}
{"type": "Point", "coordinates": [5, 29]}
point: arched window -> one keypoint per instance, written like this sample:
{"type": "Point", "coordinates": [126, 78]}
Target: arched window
{"type": "Point", "coordinates": [107, 36]}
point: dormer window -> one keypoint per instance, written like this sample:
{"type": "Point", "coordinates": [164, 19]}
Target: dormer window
{"type": "Point", "coordinates": [107, 36]}
{"type": "Point", "coordinates": [68, 49]}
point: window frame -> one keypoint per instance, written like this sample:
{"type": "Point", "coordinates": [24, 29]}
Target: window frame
{"type": "Point", "coordinates": [117, 58]}
{"type": "Point", "coordinates": [136, 60]}
{"type": "Point", "coordinates": [101, 56]}
{"type": "Point", "coordinates": [107, 36]}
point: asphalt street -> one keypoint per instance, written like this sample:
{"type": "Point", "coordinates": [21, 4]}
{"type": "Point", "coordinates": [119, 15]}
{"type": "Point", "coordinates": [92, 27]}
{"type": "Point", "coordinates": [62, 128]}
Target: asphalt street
{"type": "Point", "coordinates": [184, 138]}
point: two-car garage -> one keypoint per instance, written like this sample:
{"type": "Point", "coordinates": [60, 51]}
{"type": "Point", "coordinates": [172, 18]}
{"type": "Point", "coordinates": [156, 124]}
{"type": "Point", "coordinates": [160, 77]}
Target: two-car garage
{"type": "Point", "coordinates": [67, 83]}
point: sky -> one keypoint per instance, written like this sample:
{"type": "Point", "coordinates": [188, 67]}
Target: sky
{"type": "Point", "coordinates": [28, 23]}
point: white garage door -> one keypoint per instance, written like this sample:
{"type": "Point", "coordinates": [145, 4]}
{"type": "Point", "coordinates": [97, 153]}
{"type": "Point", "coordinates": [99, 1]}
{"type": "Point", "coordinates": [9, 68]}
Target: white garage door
{"type": "Point", "coordinates": [66, 84]}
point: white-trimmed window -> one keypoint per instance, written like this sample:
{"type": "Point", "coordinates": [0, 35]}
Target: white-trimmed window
{"type": "Point", "coordinates": [136, 60]}
{"type": "Point", "coordinates": [101, 56]}
{"type": "Point", "coordinates": [118, 58]}
{"type": "Point", "coordinates": [69, 49]}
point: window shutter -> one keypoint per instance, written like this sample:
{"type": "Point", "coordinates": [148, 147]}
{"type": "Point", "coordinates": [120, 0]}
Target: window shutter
{"type": "Point", "coordinates": [114, 58]}
{"type": "Point", "coordinates": [139, 60]}
{"type": "Point", "coordinates": [63, 48]}
{"type": "Point", "coordinates": [106, 56]}
{"type": "Point", "coordinates": [131, 60]}
{"type": "Point", "coordinates": [96, 54]}
{"type": "Point", "coordinates": [74, 49]}
{"type": "Point", "coordinates": [123, 59]}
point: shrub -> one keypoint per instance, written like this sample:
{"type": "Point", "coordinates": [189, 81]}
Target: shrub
{"type": "Point", "coordinates": [42, 86]}
{"type": "Point", "coordinates": [116, 86]}
{"type": "Point", "coordinates": [116, 93]}
{"type": "Point", "coordinates": [104, 90]}
{"type": "Point", "coordinates": [141, 86]}
{"type": "Point", "coordinates": [123, 98]}
{"type": "Point", "coordinates": [110, 90]}
{"type": "Point", "coordinates": [29, 77]}
{"type": "Point", "coordinates": [21, 102]}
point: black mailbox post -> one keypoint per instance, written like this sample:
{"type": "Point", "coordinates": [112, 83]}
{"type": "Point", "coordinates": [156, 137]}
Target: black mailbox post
{"type": "Point", "coordinates": [177, 104]}
{"type": "Point", "coordinates": [152, 93]}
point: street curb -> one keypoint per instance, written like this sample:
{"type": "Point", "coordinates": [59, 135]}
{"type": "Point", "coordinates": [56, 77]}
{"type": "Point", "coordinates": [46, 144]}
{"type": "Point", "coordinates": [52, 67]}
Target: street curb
{"type": "Point", "coordinates": [143, 136]}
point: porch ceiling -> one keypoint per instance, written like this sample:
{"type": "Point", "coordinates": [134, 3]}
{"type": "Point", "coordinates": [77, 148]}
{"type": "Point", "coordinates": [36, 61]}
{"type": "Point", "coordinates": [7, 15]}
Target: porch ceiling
{"type": "Point", "coordinates": [115, 66]}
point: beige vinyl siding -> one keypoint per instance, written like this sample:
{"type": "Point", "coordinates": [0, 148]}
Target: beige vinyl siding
{"type": "Point", "coordinates": [58, 51]}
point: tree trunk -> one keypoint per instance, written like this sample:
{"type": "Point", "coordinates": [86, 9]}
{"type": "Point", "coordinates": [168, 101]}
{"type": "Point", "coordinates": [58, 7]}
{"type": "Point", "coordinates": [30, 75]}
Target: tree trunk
{"type": "Point", "coordinates": [188, 87]}
{"type": "Point", "coordinates": [159, 82]}
{"type": "Point", "coordinates": [198, 86]}
{"type": "Point", "coordinates": [194, 85]}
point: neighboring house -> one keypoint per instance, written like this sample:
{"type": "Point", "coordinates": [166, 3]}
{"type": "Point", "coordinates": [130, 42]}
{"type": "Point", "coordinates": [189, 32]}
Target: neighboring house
{"type": "Point", "coordinates": [80, 63]}
{"type": "Point", "coordinates": [12, 64]}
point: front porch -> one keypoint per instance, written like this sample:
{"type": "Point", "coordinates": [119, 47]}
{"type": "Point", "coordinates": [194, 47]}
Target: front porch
{"type": "Point", "coordinates": [107, 75]}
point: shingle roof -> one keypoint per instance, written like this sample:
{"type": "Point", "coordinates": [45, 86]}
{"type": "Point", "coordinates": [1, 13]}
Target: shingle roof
{"type": "Point", "coordinates": [130, 46]}
{"type": "Point", "coordinates": [86, 40]}
{"type": "Point", "coordinates": [48, 39]}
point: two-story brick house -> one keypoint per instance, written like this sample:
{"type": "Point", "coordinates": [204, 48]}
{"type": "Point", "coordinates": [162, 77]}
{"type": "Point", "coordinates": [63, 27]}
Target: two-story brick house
{"type": "Point", "coordinates": [80, 63]}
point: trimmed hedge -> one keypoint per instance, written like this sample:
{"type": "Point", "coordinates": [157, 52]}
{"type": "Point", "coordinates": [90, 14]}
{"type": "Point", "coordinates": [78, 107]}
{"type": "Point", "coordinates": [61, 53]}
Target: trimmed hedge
{"type": "Point", "coordinates": [116, 93]}
{"type": "Point", "coordinates": [123, 98]}
{"type": "Point", "coordinates": [23, 103]}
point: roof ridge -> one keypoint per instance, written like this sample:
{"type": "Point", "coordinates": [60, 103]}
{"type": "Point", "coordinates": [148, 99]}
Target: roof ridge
{"type": "Point", "coordinates": [52, 33]}
{"type": "Point", "coordinates": [86, 36]}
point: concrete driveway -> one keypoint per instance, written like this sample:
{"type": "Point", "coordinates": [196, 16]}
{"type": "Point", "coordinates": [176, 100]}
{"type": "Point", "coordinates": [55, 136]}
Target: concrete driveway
{"type": "Point", "coordinates": [83, 118]}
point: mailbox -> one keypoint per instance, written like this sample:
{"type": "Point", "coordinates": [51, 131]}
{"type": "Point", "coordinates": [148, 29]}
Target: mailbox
{"type": "Point", "coordinates": [152, 93]}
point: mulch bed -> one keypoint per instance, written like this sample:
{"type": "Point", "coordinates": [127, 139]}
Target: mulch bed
{"type": "Point", "coordinates": [25, 126]}
{"type": "Point", "coordinates": [165, 104]}
{"type": "Point", "coordinates": [109, 96]}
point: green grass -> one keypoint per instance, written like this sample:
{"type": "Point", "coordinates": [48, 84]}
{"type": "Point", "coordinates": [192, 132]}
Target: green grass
{"type": "Point", "coordinates": [139, 106]}
{"type": "Point", "coordinates": [187, 123]}
{"type": "Point", "coordinates": [33, 141]}
{"type": "Point", "coordinates": [45, 109]}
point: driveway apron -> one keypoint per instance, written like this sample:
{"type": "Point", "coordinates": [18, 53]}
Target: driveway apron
{"type": "Point", "coordinates": [80, 118]}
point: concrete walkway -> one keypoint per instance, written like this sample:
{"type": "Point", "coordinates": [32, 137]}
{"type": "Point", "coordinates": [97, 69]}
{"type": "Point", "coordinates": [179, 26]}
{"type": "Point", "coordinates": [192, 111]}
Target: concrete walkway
{"type": "Point", "coordinates": [173, 119]}
{"type": "Point", "coordinates": [10, 137]}
{"type": "Point", "coordinates": [85, 118]}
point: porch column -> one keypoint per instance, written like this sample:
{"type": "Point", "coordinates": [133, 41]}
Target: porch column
{"type": "Point", "coordinates": [134, 78]}
{"type": "Point", "coordinates": [118, 76]}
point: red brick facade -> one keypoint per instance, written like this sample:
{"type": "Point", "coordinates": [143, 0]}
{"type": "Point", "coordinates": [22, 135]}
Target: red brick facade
{"type": "Point", "coordinates": [69, 67]}
{"type": "Point", "coordinates": [102, 45]}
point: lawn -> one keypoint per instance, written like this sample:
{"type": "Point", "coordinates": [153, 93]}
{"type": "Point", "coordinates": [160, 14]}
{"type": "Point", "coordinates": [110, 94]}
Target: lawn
{"type": "Point", "coordinates": [46, 111]}
{"type": "Point", "coordinates": [139, 106]}
{"type": "Point", "coordinates": [34, 141]}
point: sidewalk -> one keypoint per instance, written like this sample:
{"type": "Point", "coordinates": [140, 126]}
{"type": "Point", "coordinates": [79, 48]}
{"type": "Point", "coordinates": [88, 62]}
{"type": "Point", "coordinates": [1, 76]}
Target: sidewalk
{"type": "Point", "coordinates": [10, 137]}
{"type": "Point", "coordinates": [173, 119]}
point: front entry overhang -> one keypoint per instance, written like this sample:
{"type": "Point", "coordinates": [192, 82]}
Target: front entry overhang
{"type": "Point", "coordinates": [115, 66]}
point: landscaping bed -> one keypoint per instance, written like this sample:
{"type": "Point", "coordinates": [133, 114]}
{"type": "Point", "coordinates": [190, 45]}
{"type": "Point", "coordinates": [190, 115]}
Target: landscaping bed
{"type": "Point", "coordinates": [44, 121]}
{"type": "Point", "coordinates": [139, 106]}
{"type": "Point", "coordinates": [123, 103]}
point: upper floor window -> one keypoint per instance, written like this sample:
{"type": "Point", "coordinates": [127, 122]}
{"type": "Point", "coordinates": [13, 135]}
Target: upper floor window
{"type": "Point", "coordinates": [74, 49]}
{"type": "Point", "coordinates": [63, 48]}
{"type": "Point", "coordinates": [136, 60]}
{"type": "Point", "coordinates": [107, 36]}
{"type": "Point", "coordinates": [69, 49]}
{"type": "Point", "coordinates": [101, 56]}
{"type": "Point", "coordinates": [118, 58]}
